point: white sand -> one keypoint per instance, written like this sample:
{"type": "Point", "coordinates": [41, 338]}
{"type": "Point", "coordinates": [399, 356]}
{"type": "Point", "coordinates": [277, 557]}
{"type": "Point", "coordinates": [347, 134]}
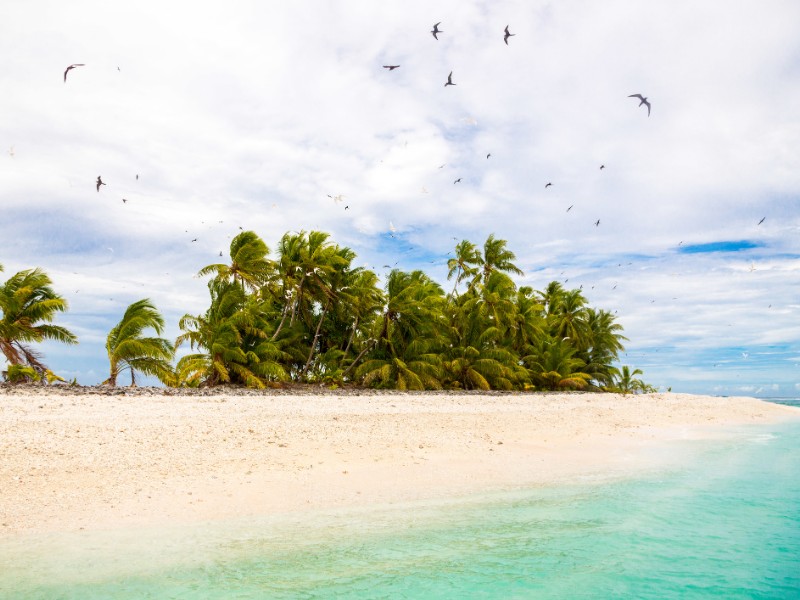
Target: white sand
{"type": "Point", "coordinates": [85, 462]}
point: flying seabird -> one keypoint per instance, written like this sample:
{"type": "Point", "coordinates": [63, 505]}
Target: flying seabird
{"type": "Point", "coordinates": [643, 101]}
{"type": "Point", "coordinates": [194, 240]}
{"type": "Point", "coordinates": [570, 207]}
{"type": "Point", "coordinates": [449, 80]}
{"type": "Point", "coordinates": [124, 200]}
{"type": "Point", "coordinates": [507, 35]}
{"type": "Point", "coordinates": [457, 181]}
{"type": "Point", "coordinates": [71, 67]}
{"type": "Point", "coordinates": [391, 67]}
{"type": "Point", "coordinates": [548, 184]}
{"type": "Point", "coordinates": [99, 183]}
{"type": "Point", "coordinates": [602, 167]}
{"type": "Point", "coordinates": [762, 220]}
{"type": "Point", "coordinates": [488, 155]}
{"type": "Point", "coordinates": [436, 30]}
{"type": "Point", "coordinates": [597, 223]}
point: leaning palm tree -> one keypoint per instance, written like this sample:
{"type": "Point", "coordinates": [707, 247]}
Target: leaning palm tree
{"type": "Point", "coordinates": [128, 349]}
{"type": "Point", "coordinates": [28, 305]}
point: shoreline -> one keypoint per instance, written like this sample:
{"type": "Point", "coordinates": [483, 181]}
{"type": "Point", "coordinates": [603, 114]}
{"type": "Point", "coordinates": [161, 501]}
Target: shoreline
{"type": "Point", "coordinates": [115, 458]}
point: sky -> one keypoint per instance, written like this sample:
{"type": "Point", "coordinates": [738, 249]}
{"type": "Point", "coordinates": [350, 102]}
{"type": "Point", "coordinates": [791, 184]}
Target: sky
{"type": "Point", "coordinates": [255, 114]}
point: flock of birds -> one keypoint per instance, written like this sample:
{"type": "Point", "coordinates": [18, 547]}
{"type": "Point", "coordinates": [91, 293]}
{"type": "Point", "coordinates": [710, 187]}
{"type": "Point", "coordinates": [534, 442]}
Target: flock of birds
{"type": "Point", "coordinates": [435, 31]}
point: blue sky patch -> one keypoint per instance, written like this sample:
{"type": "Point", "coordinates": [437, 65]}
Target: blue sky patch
{"type": "Point", "coordinates": [728, 246]}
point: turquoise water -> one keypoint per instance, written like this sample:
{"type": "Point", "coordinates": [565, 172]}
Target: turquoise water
{"type": "Point", "coordinates": [722, 520]}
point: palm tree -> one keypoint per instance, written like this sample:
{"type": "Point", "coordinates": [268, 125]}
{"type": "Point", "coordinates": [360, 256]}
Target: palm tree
{"type": "Point", "coordinates": [465, 264]}
{"type": "Point", "coordinates": [627, 382]}
{"type": "Point", "coordinates": [234, 336]}
{"type": "Point", "coordinates": [128, 349]}
{"type": "Point", "coordinates": [496, 257]}
{"type": "Point", "coordinates": [28, 305]}
{"type": "Point", "coordinates": [249, 266]}
{"type": "Point", "coordinates": [553, 365]}
{"type": "Point", "coordinates": [417, 369]}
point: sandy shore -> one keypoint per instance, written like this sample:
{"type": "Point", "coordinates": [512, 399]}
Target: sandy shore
{"type": "Point", "coordinates": [80, 461]}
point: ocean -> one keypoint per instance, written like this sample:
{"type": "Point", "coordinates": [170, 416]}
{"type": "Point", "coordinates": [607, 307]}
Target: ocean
{"type": "Point", "coordinates": [719, 519]}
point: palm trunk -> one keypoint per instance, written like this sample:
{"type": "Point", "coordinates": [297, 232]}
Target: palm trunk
{"type": "Point", "coordinates": [280, 326]}
{"type": "Point", "coordinates": [366, 349]}
{"type": "Point", "coordinates": [316, 337]}
{"type": "Point", "coordinates": [352, 335]}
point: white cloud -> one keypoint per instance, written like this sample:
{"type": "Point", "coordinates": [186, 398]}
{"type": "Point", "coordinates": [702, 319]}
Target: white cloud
{"type": "Point", "coordinates": [253, 116]}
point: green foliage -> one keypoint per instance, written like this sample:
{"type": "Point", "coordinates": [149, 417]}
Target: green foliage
{"type": "Point", "coordinates": [309, 315]}
{"type": "Point", "coordinates": [129, 349]}
{"type": "Point", "coordinates": [28, 305]}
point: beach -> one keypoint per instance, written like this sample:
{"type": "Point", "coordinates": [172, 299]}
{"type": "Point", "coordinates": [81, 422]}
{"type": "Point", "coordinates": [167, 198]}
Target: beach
{"type": "Point", "coordinates": [75, 460]}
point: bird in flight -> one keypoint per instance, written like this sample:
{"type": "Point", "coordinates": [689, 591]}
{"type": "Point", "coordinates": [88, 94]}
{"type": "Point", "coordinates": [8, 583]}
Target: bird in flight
{"type": "Point", "coordinates": [457, 181]}
{"type": "Point", "coordinates": [597, 223]}
{"type": "Point", "coordinates": [124, 200]}
{"type": "Point", "coordinates": [435, 31]}
{"type": "Point", "coordinates": [71, 67]}
{"type": "Point", "coordinates": [643, 101]}
{"type": "Point", "coordinates": [99, 183]}
{"type": "Point", "coordinates": [391, 67]}
{"type": "Point", "coordinates": [507, 35]}
{"type": "Point", "coordinates": [602, 167]}
{"type": "Point", "coordinates": [762, 220]}
{"type": "Point", "coordinates": [194, 240]}
{"type": "Point", "coordinates": [570, 207]}
{"type": "Point", "coordinates": [449, 80]}
{"type": "Point", "coordinates": [547, 185]}
{"type": "Point", "coordinates": [488, 155]}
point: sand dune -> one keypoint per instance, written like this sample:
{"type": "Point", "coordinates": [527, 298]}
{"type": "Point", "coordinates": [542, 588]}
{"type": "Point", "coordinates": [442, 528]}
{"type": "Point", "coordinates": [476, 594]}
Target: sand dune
{"type": "Point", "coordinates": [81, 461]}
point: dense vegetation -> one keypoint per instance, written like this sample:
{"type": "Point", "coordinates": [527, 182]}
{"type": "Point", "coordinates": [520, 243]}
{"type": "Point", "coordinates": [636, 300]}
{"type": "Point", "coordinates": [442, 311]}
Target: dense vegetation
{"type": "Point", "coordinates": [311, 316]}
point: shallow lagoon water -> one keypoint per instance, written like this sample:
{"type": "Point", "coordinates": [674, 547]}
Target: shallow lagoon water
{"type": "Point", "coordinates": [721, 519]}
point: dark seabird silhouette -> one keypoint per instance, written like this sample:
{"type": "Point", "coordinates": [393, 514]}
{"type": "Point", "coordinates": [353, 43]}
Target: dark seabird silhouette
{"type": "Point", "coordinates": [597, 223]}
{"type": "Point", "coordinates": [194, 240]}
{"type": "Point", "coordinates": [488, 155]}
{"type": "Point", "coordinates": [507, 35]}
{"type": "Point", "coordinates": [761, 221]}
{"type": "Point", "coordinates": [220, 253]}
{"type": "Point", "coordinates": [449, 80]}
{"type": "Point", "coordinates": [70, 68]}
{"type": "Point", "coordinates": [547, 185]}
{"type": "Point", "coordinates": [570, 207]}
{"type": "Point", "coordinates": [457, 181]}
{"type": "Point", "coordinates": [602, 167]}
{"type": "Point", "coordinates": [99, 183]}
{"type": "Point", "coordinates": [435, 31]}
{"type": "Point", "coordinates": [124, 200]}
{"type": "Point", "coordinates": [643, 101]}
{"type": "Point", "coordinates": [391, 67]}
{"type": "Point", "coordinates": [137, 177]}
{"type": "Point", "coordinates": [347, 207]}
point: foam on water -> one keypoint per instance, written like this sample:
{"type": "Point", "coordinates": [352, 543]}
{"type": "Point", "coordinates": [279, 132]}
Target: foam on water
{"type": "Point", "coordinates": [723, 522]}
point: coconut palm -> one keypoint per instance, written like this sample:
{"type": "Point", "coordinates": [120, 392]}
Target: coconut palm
{"type": "Point", "coordinates": [496, 257]}
{"type": "Point", "coordinates": [232, 337]}
{"type": "Point", "coordinates": [465, 264]}
{"type": "Point", "coordinates": [470, 368]}
{"type": "Point", "coordinates": [553, 366]}
{"type": "Point", "coordinates": [128, 348]}
{"type": "Point", "coordinates": [28, 305]}
{"type": "Point", "coordinates": [417, 369]}
{"type": "Point", "coordinates": [249, 266]}
{"type": "Point", "coordinates": [627, 382]}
